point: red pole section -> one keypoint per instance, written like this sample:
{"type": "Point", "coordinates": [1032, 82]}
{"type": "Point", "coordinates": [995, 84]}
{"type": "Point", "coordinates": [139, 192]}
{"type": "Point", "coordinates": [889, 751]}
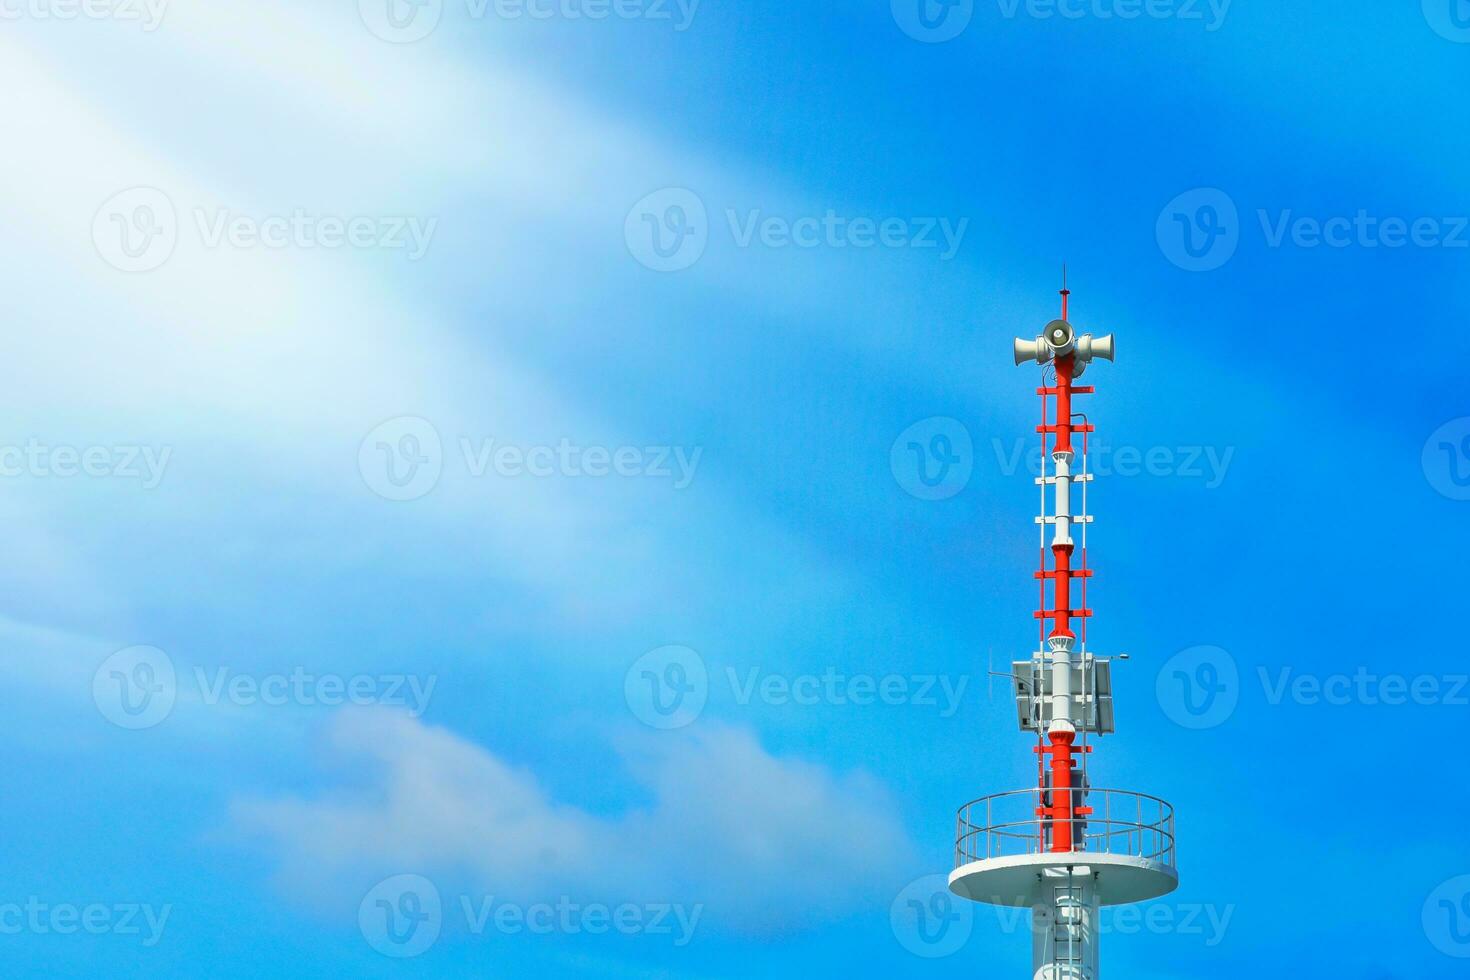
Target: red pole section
{"type": "Point", "coordinates": [1064, 403]}
{"type": "Point", "coordinates": [1062, 802]}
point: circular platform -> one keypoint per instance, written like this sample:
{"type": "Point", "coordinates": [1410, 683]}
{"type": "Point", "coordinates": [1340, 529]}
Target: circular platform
{"type": "Point", "coordinates": [1018, 880]}
{"type": "Point", "coordinates": [1009, 847]}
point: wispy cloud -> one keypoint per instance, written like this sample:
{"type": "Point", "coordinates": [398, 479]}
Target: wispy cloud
{"type": "Point", "coordinates": [766, 843]}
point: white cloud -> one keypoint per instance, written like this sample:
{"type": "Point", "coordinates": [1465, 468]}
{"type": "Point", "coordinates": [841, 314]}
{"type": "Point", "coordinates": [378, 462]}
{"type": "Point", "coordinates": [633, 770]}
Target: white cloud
{"type": "Point", "coordinates": [765, 843]}
{"type": "Point", "coordinates": [262, 370]}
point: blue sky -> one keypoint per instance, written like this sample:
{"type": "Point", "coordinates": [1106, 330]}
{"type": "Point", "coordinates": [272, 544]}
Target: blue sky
{"type": "Point", "coordinates": [457, 459]}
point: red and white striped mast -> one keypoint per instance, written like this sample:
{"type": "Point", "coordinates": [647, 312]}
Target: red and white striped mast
{"type": "Point", "coordinates": [1064, 849]}
{"type": "Point", "coordinates": [1069, 357]}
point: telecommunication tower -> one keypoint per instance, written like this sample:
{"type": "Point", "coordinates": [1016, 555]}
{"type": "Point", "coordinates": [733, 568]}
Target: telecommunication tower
{"type": "Point", "coordinates": [1064, 849]}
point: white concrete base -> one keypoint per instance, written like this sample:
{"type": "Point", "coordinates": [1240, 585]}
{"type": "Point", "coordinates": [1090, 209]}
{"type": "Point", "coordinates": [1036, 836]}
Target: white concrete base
{"type": "Point", "coordinates": [1017, 881]}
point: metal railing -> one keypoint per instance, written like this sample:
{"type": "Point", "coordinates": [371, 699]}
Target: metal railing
{"type": "Point", "coordinates": [1010, 824]}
